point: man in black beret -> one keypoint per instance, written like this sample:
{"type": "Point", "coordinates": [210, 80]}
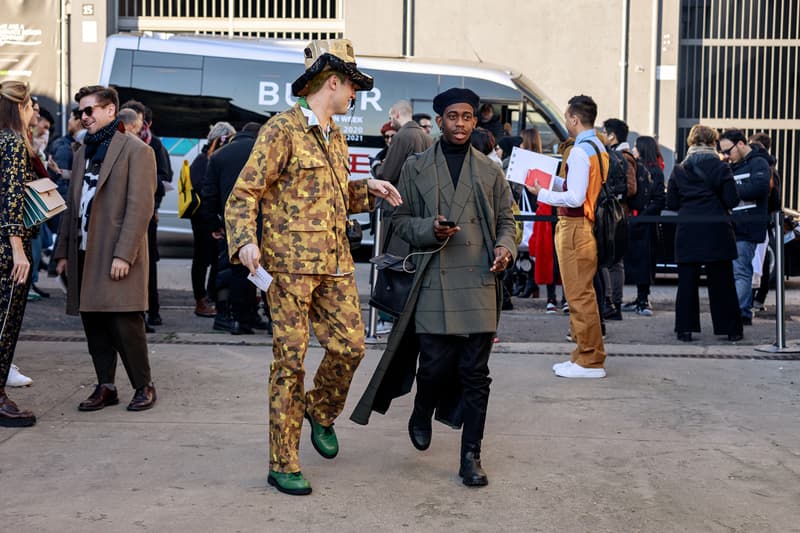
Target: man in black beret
{"type": "Point", "coordinates": [459, 223]}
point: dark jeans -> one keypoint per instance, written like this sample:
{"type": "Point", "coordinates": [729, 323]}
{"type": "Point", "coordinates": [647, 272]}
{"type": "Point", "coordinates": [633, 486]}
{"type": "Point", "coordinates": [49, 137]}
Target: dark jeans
{"type": "Point", "coordinates": [442, 359]}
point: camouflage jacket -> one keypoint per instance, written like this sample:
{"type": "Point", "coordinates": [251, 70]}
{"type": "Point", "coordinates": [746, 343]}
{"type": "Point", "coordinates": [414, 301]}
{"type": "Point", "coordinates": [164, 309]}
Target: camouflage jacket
{"type": "Point", "coordinates": [304, 204]}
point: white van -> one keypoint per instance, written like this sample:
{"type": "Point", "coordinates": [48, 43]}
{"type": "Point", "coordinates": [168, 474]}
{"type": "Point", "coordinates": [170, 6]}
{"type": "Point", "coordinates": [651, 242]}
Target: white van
{"type": "Point", "coordinates": [193, 82]}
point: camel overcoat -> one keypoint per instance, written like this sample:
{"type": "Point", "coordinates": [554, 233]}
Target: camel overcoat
{"type": "Point", "coordinates": [121, 210]}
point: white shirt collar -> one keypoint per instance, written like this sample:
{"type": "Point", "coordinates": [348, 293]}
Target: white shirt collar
{"type": "Point", "coordinates": [313, 120]}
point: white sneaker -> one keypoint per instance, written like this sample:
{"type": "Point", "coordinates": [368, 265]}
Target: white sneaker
{"type": "Point", "coordinates": [560, 365]}
{"type": "Point", "coordinates": [16, 379]}
{"type": "Point", "coordinates": [551, 308]}
{"type": "Point", "coordinates": [577, 371]}
{"type": "Point", "coordinates": [382, 328]}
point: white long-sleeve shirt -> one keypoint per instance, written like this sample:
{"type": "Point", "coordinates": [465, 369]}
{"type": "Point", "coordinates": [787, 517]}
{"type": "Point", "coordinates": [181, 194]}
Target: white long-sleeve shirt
{"type": "Point", "coordinates": [577, 175]}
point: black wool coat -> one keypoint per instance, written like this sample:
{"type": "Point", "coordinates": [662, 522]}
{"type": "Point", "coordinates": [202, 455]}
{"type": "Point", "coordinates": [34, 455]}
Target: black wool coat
{"type": "Point", "coordinates": [703, 186]}
{"type": "Point", "coordinates": [640, 256]}
{"type": "Point", "coordinates": [222, 171]}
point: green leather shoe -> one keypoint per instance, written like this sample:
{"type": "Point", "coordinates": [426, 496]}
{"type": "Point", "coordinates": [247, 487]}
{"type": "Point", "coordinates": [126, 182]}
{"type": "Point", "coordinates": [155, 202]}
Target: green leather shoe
{"type": "Point", "coordinates": [323, 438]}
{"type": "Point", "coordinates": [289, 483]}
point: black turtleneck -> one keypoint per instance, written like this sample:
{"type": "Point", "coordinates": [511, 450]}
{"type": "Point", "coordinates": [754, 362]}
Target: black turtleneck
{"type": "Point", "coordinates": [454, 154]}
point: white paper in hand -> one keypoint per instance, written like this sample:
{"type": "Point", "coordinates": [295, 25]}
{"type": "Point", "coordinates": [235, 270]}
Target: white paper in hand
{"type": "Point", "coordinates": [260, 279]}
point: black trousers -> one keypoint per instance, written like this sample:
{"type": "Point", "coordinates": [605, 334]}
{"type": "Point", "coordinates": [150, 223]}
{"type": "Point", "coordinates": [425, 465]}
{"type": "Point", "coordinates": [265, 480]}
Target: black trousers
{"type": "Point", "coordinates": [110, 333]}
{"type": "Point", "coordinates": [204, 256]}
{"type": "Point", "coordinates": [722, 298]}
{"type": "Point", "coordinates": [153, 306]}
{"type": "Point", "coordinates": [444, 358]}
{"type": "Point", "coordinates": [242, 296]}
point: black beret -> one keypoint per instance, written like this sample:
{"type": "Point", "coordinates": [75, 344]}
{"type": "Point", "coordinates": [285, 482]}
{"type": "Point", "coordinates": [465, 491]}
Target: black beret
{"type": "Point", "coordinates": [455, 96]}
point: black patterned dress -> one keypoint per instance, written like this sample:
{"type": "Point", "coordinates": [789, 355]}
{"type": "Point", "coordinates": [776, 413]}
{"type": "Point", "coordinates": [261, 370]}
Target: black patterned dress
{"type": "Point", "coordinates": [15, 170]}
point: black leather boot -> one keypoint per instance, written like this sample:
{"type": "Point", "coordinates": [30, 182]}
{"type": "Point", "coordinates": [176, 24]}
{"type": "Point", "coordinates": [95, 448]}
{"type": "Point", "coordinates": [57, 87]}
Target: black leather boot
{"type": "Point", "coordinates": [472, 475]}
{"type": "Point", "coordinates": [419, 429]}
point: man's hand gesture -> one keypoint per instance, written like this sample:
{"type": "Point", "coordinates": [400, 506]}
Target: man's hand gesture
{"type": "Point", "coordinates": [384, 189]}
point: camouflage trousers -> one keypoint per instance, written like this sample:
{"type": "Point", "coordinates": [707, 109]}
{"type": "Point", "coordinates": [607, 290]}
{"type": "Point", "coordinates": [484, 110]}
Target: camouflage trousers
{"type": "Point", "coordinates": [331, 304]}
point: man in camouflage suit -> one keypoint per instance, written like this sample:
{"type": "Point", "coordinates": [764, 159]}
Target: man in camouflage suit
{"type": "Point", "coordinates": [298, 171]}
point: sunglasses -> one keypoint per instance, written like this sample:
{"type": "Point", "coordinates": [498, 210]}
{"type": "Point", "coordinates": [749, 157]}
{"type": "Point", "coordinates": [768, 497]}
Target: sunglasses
{"type": "Point", "coordinates": [728, 151]}
{"type": "Point", "coordinates": [89, 109]}
{"type": "Point", "coordinates": [387, 137]}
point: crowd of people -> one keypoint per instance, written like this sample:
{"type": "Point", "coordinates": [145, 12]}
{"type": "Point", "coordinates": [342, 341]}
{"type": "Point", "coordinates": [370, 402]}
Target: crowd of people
{"type": "Point", "coordinates": [447, 208]}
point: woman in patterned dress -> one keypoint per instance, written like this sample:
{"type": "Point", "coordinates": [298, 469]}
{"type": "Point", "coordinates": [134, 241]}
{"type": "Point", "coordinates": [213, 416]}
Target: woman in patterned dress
{"type": "Point", "coordinates": [15, 239]}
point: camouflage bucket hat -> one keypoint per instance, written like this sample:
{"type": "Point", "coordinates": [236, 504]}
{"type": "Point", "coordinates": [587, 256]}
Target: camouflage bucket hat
{"type": "Point", "coordinates": [331, 54]}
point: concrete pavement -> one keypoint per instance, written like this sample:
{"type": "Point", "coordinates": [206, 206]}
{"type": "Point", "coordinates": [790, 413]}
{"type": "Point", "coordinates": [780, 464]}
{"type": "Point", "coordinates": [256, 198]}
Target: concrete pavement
{"type": "Point", "coordinates": [700, 437]}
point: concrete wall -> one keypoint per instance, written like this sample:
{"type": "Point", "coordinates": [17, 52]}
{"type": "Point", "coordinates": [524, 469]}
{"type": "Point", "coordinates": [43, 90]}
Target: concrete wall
{"type": "Point", "coordinates": [564, 57]}
{"type": "Point", "coordinates": [88, 29]}
{"type": "Point", "coordinates": [567, 48]}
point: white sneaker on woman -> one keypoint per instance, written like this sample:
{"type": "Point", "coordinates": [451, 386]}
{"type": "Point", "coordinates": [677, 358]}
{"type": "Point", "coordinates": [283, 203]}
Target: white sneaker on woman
{"type": "Point", "coordinates": [16, 379]}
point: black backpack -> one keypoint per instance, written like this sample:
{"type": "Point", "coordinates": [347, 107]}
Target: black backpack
{"type": "Point", "coordinates": [610, 225]}
{"type": "Point", "coordinates": [617, 179]}
{"type": "Point", "coordinates": [644, 184]}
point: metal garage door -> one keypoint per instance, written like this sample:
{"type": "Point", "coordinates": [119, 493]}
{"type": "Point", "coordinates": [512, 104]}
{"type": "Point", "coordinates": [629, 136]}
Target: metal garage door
{"type": "Point", "coordinates": [738, 67]}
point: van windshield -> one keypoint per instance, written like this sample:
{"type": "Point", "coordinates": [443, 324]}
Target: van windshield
{"type": "Point", "coordinates": [545, 108]}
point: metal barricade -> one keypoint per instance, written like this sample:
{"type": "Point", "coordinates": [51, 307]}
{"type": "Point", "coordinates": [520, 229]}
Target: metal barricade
{"type": "Point", "coordinates": [372, 325]}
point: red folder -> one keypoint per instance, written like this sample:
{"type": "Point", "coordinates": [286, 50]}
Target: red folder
{"type": "Point", "coordinates": [538, 176]}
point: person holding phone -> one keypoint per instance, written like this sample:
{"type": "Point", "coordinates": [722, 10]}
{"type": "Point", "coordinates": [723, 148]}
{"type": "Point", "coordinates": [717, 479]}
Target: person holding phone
{"type": "Point", "coordinates": [459, 222]}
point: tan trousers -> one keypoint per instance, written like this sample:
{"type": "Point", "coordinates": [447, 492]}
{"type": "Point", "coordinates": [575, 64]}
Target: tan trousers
{"type": "Point", "coordinates": [577, 260]}
{"type": "Point", "coordinates": [331, 304]}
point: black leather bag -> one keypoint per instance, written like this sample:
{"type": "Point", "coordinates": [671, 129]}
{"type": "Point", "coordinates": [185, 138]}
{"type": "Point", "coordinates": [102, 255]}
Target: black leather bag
{"type": "Point", "coordinates": [354, 233]}
{"type": "Point", "coordinates": [392, 284]}
{"type": "Point", "coordinates": [610, 224]}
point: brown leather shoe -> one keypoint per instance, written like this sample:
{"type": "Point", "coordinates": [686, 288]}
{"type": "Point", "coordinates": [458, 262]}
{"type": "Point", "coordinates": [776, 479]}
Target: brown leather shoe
{"type": "Point", "coordinates": [143, 399]}
{"type": "Point", "coordinates": [205, 308]}
{"type": "Point", "coordinates": [102, 396]}
{"type": "Point", "coordinates": [11, 416]}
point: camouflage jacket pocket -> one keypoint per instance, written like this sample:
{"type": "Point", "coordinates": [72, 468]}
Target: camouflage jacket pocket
{"type": "Point", "coordinates": [310, 178]}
